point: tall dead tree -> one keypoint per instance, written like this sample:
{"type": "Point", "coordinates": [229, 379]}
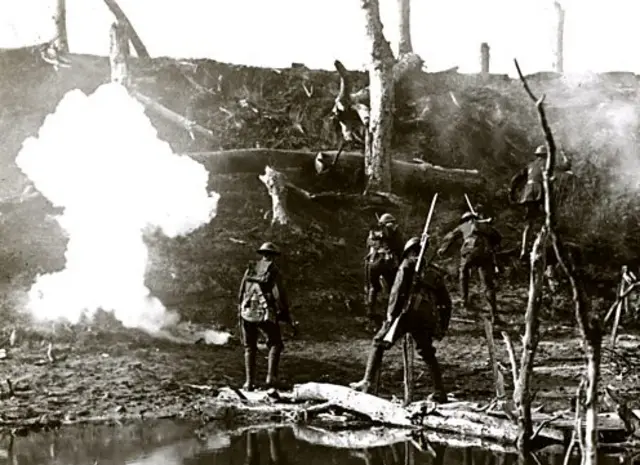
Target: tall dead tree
{"type": "Point", "coordinates": [588, 321]}
{"type": "Point", "coordinates": [404, 42]}
{"type": "Point", "coordinates": [381, 102]}
{"type": "Point", "coordinates": [485, 58]}
{"type": "Point", "coordinates": [61, 42]}
{"type": "Point", "coordinates": [119, 53]}
{"type": "Point", "coordinates": [559, 65]}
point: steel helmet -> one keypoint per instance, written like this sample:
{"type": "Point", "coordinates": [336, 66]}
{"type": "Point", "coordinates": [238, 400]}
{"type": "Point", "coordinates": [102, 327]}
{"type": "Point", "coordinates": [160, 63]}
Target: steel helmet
{"type": "Point", "coordinates": [268, 248]}
{"type": "Point", "coordinates": [541, 150]}
{"type": "Point", "coordinates": [387, 218]}
{"type": "Point", "coordinates": [411, 243]}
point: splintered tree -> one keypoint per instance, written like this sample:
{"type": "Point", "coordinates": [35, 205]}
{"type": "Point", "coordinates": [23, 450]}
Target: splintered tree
{"type": "Point", "coordinates": [61, 42]}
{"type": "Point", "coordinates": [588, 320]}
{"type": "Point", "coordinates": [378, 135]}
{"type": "Point", "coordinates": [559, 65]}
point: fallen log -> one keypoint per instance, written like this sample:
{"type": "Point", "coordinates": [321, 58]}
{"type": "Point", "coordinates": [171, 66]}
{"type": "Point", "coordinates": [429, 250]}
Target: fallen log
{"type": "Point", "coordinates": [172, 116]}
{"type": "Point", "coordinates": [349, 439]}
{"type": "Point", "coordinates": [409, 177]}
{"type": "Point", "coordinates": [379, 410]}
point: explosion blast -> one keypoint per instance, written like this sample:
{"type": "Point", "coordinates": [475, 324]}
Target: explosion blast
{"type": "Point", "coordinates": [99, 158]}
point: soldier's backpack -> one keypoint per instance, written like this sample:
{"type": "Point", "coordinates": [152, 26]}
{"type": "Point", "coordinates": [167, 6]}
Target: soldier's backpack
{"type": "Point", "coordinates": [379, 248]}
{"type": "Point", "coordinates": [434, 294]}
{"type": "Point", "coordinates": [256, 300]}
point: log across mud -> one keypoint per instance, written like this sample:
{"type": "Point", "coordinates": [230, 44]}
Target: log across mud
{"type": "Point", "coordinates": [367, 421]}
{"type": "Point", "coordinates": [408, 177]}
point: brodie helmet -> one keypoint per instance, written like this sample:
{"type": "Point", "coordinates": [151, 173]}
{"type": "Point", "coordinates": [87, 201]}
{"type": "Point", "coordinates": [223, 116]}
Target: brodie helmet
{"type": "Point", "coordinates": [387, 218]}
{"type": "Point", "coordinates": [268, 248]}
{"type": "Point", "coordinates": [411, 244]}
{"type": "Point", "coordinates": [541, 151]}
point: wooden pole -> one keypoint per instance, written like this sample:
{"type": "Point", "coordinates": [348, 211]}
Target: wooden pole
{"type": "Point", "coordinates": [119, 53]}
{"type": "Point", "coordinates": [484, 58]}
{"type": "Point", "coordinates": [559, 38]}
{"type": "Point", "coordinates": [407, 359]}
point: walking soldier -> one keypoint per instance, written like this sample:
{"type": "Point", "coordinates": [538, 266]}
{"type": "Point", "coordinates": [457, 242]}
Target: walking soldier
{"type": "Point", "coordinates": [263, 305]}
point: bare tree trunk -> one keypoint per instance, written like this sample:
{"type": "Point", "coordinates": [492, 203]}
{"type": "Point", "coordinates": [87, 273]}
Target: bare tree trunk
{"type": "Point", "coordinates": [381, 91]}
{"type": "Point", "coordinates": [136, 41]}
{"type": "Point", "coordinates": [404, 44]}
{"type": "Point", "coordinates": [559, 65]}
{"type": "Point", "coordinates": [61, 42]}
{"type": "Point", "coordinates": [522, 392]}
{"type": "Point", "coordinates": [588, 320]}
{"type": "Point", "coordinates": [484, 58]}
{"type": "Point", "coordinates": [119, 53]}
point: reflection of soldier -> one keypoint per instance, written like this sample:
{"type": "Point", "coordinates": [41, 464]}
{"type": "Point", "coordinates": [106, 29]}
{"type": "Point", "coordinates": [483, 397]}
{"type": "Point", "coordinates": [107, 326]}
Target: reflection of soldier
{"type": "Point", "coordinates": [276, 456]}
{"type": "Point", "coordinates": [426, 320]}
{"type": "Point", "coordinates": [479, 243]}
{"type": "Point", "coordinates": [263, 304]}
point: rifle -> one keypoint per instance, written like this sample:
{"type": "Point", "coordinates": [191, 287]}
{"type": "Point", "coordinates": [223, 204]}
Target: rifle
{"type": "Point", "coordinates": [424, 240]}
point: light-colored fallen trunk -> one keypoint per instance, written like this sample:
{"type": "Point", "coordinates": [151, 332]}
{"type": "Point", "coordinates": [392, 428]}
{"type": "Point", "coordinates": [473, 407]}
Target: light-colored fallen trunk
{"type": "Point", "coordinates": [379, 410]}
{"type": "Point", "coordinates": [172, 116]}
{"type": "Point", "coordinates": [408, 176]}
{"type": "Point", "coordinates": [351, 439]}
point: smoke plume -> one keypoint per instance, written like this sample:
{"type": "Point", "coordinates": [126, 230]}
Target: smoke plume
{"type": "Point", "coordinates": [99, 157]}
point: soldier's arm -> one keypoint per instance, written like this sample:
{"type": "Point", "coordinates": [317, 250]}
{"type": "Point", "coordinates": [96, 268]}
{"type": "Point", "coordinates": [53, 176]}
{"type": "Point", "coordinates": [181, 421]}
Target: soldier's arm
{"type": "Point", "coordinates": [398, 293]}
{"type": "Point", "coordinates": [522, 174]}
{"type": "Point", "coordinates": [283, 303]}
{"type": "Point", "coordinates": [448, 239]}
{"type": "Point", "coordinates": [242, 283]}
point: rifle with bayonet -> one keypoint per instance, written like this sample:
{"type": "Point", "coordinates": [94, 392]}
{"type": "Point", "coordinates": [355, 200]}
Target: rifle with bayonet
{"type": "Point", "coordinates": [424, 243]}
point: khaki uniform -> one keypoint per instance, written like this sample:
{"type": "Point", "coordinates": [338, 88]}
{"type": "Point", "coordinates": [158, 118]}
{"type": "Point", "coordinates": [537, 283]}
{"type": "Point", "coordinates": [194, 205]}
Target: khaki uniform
{"type": "Point", "coordinates": [426, 321]}
{"type": "Point", "coordinates": [479, 243]}
{"type": "Point", "coordinates": [264, 315]}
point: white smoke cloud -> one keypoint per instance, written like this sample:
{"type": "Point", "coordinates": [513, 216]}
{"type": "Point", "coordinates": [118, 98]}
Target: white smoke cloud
{"type": "Point", "coordinates": [100, 158]}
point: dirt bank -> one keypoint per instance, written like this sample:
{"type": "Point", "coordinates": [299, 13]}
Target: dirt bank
{"type": "Point", "coordinates": [109, 369]}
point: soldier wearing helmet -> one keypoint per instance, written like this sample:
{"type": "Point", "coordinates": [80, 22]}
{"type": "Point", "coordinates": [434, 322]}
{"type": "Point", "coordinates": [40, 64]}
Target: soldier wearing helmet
{"type": "Point", "coordinates": [427, 320]}
{"type": "Point", "coordinates": [392, 233]}
{"type": "Point", "coordinates": [532, 193]}
{"type": "Point", "coordinates": [263, 305]}
{"type": "Point", "coordinates": [384, 252]}
{"type": "Point", "coordinates": [479, 243]}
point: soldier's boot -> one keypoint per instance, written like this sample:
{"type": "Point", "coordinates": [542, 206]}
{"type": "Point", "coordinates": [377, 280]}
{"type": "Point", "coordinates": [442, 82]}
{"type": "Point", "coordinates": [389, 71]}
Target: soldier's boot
{"type": "Point", "coordinates": [373, 367]}
{"type": "Point", "coordinates": [250, 369]}
{"type": "Point", "coordinates": [272, 367]}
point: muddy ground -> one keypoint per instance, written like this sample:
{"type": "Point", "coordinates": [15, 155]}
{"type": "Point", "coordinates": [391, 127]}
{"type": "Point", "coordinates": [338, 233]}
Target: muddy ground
{"type": "Point", "coordinates": [103, 369]}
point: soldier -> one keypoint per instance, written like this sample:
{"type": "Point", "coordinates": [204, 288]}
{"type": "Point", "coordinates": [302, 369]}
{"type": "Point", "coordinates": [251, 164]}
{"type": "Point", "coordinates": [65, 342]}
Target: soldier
{"type": "Point", "coordinates": [263, 304]}
{"type": "Point", "coordinates": [532, 197]}
{"type": "Point", "coordinates": [479, 243]}
{"type": "Point", "coordinates": [426, 321]}
{"type": "Point", "coordinates": [384, 245]}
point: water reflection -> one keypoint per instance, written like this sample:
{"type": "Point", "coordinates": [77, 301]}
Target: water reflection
{"type": "Point", "coordinates": [175, 444]}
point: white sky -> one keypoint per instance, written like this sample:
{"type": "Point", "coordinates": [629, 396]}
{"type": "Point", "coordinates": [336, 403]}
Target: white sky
{"type": "Point", "coordinates": [600, 35]}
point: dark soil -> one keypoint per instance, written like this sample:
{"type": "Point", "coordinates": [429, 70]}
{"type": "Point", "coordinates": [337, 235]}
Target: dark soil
{"type": "Point", "coordinates": [103, 369]}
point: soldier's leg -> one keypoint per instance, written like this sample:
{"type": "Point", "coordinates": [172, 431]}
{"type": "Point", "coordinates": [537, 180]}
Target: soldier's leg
{"type": "Point", "coordinates": [424, 345]}
{"type": "Point", "coordinates": [463, 277]}
{"type": "Point", "coordinates": [532, 212]}
{"type": "Point", "coordinates": [374, 361]}
{"type": "Point", "coordinates": [275, 451]}
{"type": "Point", "coordinates": [275, 346]}
{"type": "Point", "coordinates": [250, 341]}
{"type": "Point", "coordinates": [487, 275]}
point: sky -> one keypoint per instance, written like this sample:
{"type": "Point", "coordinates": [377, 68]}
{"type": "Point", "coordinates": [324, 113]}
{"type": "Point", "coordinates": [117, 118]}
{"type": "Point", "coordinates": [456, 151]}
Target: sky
{"type": "Point", "coordinates": [600, 35]}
